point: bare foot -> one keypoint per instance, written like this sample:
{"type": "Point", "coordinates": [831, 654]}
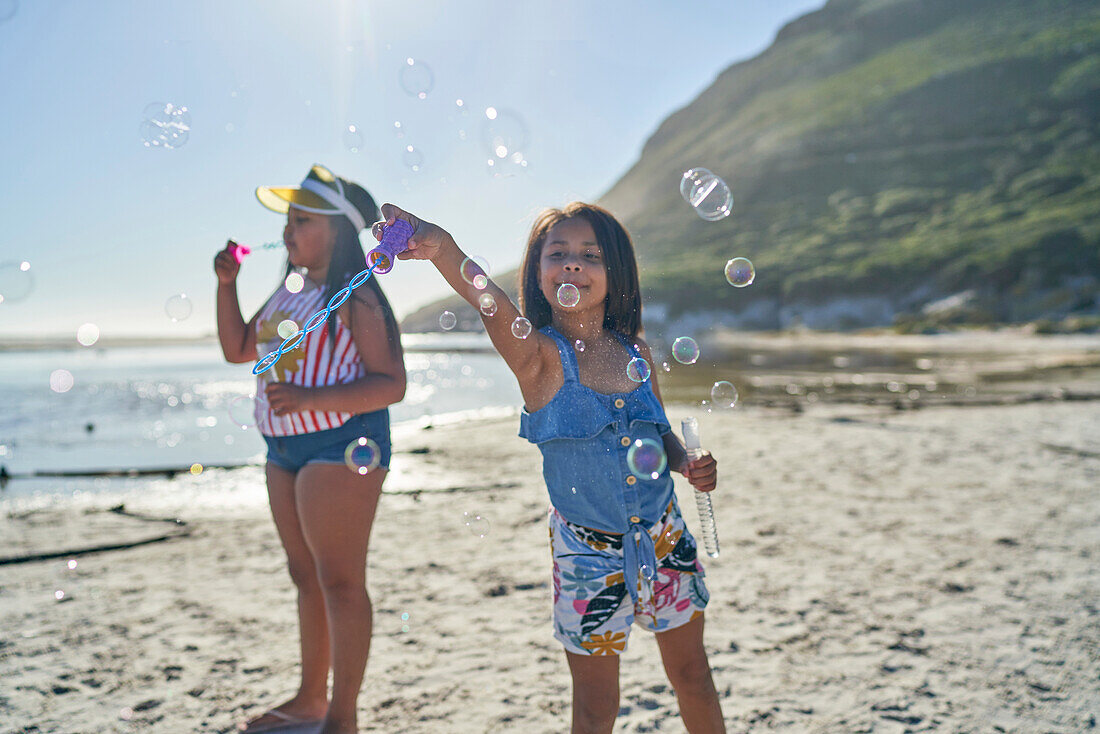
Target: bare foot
{"type": "Point", "coordinates": [295, 710]}
{"type": "Point", "coordinates": [338, 726]}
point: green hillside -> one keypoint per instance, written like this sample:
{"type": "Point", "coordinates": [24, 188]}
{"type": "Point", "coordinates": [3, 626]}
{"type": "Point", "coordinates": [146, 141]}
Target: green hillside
{"type": "Point", "coordinates": [891, 161]}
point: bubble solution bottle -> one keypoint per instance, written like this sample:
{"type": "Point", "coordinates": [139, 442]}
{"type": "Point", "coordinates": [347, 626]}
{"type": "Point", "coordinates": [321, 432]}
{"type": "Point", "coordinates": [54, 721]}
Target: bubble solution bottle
{"type": "Point", "coordinates": [690, 428]}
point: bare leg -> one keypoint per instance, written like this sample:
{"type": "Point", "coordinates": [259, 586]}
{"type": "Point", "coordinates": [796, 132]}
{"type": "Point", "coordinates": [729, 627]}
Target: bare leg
{"type": "Point", "coordinates": [595, 692]}
{"type": "Point", "coordinates": [311, 700]}
{"type": "Point", "coordinates": [685, 661]}
{"type": "Point", "coordinates": [337, 510]}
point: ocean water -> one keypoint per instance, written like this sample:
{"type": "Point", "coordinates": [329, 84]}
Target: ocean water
{"type": "Point", "coordinates": [169, 407]}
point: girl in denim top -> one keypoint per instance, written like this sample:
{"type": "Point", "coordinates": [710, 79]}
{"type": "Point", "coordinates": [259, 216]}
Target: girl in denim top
{"type": "Point", "coordinates": [622, 554]}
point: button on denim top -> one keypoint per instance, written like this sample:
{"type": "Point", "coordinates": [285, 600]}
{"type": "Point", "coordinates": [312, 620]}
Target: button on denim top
{"type": "Point", "coordinates": [584, 436]}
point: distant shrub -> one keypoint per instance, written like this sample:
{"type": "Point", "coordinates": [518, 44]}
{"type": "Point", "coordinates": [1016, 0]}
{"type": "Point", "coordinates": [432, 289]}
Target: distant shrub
{"type": "Point", "coordinates": [893, 202]}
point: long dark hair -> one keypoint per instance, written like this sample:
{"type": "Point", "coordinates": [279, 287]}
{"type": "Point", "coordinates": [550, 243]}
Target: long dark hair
{"type": "Point", "coordinates": [623, 304]}
{"type": "Point", "coordinates": [348, 259]}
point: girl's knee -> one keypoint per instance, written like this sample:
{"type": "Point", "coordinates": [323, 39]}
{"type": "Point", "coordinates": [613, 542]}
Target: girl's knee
{"type": "Point", "coordinates": [595, 712]}
{"type": "Point", "coordinates": [691, 676]}
{"type": "Point", "coordinates": [304, 575]}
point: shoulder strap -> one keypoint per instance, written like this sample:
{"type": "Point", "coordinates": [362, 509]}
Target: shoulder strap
{"type": "Point", "coordinates": [565, 352]}
{"type": "Point", "coordinates": [628, 345]}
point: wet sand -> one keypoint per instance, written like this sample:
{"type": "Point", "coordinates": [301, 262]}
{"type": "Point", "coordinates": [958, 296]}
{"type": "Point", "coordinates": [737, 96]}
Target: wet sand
{"type": "Point", "coordinates": [882, 570]}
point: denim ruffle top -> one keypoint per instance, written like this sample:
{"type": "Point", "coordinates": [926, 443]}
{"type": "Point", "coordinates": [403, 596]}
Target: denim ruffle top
{"type": "Point", "coordinates": [584, 437]}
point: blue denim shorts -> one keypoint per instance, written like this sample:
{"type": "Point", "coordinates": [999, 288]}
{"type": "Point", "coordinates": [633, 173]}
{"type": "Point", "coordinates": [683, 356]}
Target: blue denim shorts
{"type": "Point", "coordinates": [327, 447]}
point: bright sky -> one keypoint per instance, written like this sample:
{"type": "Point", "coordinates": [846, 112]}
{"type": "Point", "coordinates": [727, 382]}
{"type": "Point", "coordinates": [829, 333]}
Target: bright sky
{"type": "Point", "coordinates": [113, 230]}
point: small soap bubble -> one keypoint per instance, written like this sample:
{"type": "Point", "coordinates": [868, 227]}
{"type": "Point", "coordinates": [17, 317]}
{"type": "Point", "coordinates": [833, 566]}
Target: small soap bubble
{"type": "Point", "coordinates": [61, 381]}
{"type": "Point", "coordinates": [71, 564]}
{"type": "Point", "coordinates": [412, 158]}
{"type": "Point", "coordinates": [362, 455]}
{"type": "Point", "coordinates": [666, 366]}
{"type": "Point", "coordinates": [579, 345]}
{"type": "Point", "coordinates": [487, 304]}
{"type": "Point", "coordinates": [178, 307]}
{"type": "Point", "coordinates": [295, 282]}
{"type": "Point", "coordinates": [16, 281]}
{"type": "Point", "coordinates": [165, 125]}
{"type": "Point", "coordinates": [568, 295]}
{"type": "Point", "coordinates": [405, 617]}
{"type": "Point", "coordinates": [723, 394]}
{"type": "Point", "coordinates": [708, 194]}
{"type": "Point", "coordinates": [353, 138]}
{"type": "Point", "coordinates": [740, 272]}
{"type": "Point", "coordinates": [447, 320]}
{"type": "Point", "coordinates": [685, 350]}
{"type": "Point", "coordinates": [646, 458]}
{"type": "Point", "coordinates": [471, 268]}
{"type": "Point", "coordinates": [638, 370]}
{"type": "Point", "coordinates": [87, 335]}
{"type": "Point", "coordinates": [287, 328]}
{"type": "Point", "coordinates": [196, 469]}
{"type": "Point", "coordinates": [241, 411]}
{"type": "Point", "coordinates": [59, 595]}
{"type": "Point", "coordinates": [521, 328]}
{"type": "Point", "coordinates": [416, 78]}
{"type": "Point", "coordinates": [476, 524]}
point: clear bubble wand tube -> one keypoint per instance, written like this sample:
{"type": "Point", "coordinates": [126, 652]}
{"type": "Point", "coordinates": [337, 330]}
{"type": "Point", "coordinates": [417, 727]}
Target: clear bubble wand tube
{"type": "Point", "coordinates": [690, 428]}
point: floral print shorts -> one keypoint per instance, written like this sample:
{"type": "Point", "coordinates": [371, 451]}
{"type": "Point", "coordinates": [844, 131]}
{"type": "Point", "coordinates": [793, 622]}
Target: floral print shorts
{"type": "Point", "coordinates": [593, 612]}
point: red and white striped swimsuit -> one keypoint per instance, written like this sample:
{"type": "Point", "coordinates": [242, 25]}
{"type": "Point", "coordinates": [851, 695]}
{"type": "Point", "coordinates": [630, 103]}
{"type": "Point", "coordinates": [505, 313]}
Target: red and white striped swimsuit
{"type": "Point", "coordinates": [312, 364]}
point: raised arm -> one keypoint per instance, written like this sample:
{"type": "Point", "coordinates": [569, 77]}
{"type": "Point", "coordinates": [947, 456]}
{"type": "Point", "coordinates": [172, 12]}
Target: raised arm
{"type": "Point", "coordinates": [527, 358]}
{"type": "Point", "coordinates": [237, 338]}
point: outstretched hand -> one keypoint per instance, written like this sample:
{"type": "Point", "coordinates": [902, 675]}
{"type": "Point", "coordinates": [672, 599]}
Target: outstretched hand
{"type": "Point", "coordinates": [426, 241]}
{"type": "Point", "coordinates": [701, 473]}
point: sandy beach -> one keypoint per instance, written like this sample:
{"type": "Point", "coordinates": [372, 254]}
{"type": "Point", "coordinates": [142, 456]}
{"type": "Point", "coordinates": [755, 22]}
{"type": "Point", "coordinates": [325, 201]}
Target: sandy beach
{"type": "Point", "coordinates": [882, 570]}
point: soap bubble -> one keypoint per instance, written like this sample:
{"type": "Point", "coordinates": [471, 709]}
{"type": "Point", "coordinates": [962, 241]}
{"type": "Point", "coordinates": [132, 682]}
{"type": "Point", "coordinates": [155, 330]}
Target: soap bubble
{"type": "Point", "coordinates": [487, 304]}
{"type": "Point", "coordinates": [708, 194]}
{"type": "Point", "coordinates": [476, 524]}
{"type": "Point", "coordinates": [165, 125]}
{"type": "Point", "coordinates": [521, 328]}
{"type": "Point", "coordinates": [447, 320]}
{"type": "Point", "coordinates": [724, 394]}
{"type": "Point", "coordinates": [416, 78]}
{"type": "Point", "coordinates": [638, 370]}
{"type": "Point", "coordinates": [362, 455]}
{"type": "Point", "coordinates": [740, 272]}
{"type": "Point", "coordinates": [475, 271]}
{"type": "Point", "coordinates": [287, 328]}
{"type": "Point", "coordinates": [412, 158]}
{"type": "Point", "coordinates": [295, 282]}
{"type": "Point", "coordinates": [646, 458]}
{"type": "Point", "coordinates": [61, 381]}
{"type": "Point", "coordinates": [568, 295]}
{"type": "Point", "coordinates": [241, 411]}
{"type": "Point", "coordinates": [685, 350]}
{"type": "Point", "coordinates": [504, 134]}
{"type": "Point", "coordinates": [353, 138]}
{"type": "Point", "coordinates": [178, 307]}
{"type": "Point", "coordinates": [579, 345]}
{"type": "Point", "coordinates": [16, 281]}
{"type": "Point", "coordinates": [87, 335]}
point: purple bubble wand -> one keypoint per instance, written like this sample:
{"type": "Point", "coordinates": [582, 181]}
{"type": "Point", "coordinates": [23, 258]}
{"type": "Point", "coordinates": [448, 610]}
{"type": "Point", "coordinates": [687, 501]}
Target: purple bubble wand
{"type": "Point", "coordinates": [395, 240]}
